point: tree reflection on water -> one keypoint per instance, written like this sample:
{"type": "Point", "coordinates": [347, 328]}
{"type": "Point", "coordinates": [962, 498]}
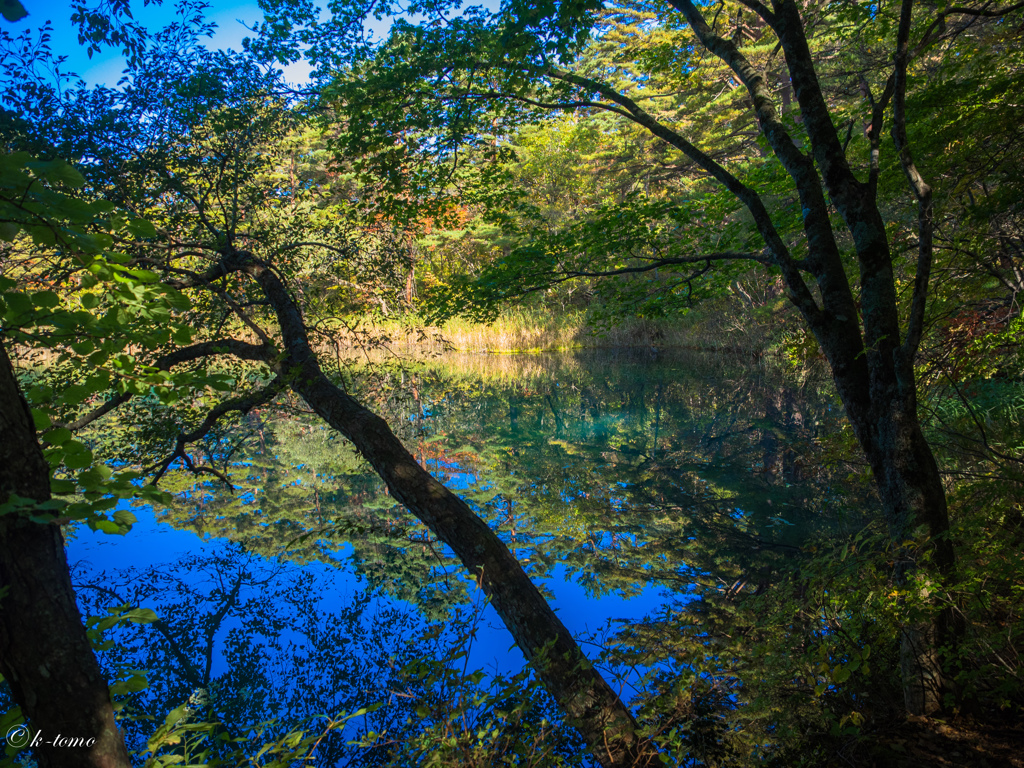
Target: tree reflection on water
{"type": "Point", "coordinates": [667, 477]}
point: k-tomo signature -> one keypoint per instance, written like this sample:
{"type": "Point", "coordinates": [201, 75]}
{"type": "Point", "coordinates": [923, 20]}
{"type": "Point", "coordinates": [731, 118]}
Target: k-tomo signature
{"type": "Point", "coordinates": [63, 741]}
{"type": "Point", "coordinates": [19, 736]}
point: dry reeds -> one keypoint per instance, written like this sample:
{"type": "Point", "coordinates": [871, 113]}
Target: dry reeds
{"type": "Point", "coordinates": [715, 328]}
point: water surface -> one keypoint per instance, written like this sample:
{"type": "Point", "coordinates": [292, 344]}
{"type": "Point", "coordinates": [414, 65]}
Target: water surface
{"type": "Point", "coordinates": [626, 484]}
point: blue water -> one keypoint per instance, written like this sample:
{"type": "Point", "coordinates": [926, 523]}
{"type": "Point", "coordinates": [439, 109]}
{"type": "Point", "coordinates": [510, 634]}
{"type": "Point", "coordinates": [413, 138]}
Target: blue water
{"type": "Point", "coordinates": [152, 544]}
{"type": "Point", "coordinates": [591, 464]}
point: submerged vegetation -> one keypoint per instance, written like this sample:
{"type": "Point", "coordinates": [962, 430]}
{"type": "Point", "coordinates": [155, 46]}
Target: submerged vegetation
{"type": "Point", "coordinates": [781, 248]}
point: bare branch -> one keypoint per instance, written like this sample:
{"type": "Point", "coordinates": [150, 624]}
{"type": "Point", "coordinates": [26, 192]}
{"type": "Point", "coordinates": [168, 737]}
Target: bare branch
{"type": "Point", "coordinates": [668, 262]}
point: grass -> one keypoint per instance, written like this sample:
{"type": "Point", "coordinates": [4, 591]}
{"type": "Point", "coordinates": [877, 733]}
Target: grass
{"type": "Point", "coordinates": [721, 326]}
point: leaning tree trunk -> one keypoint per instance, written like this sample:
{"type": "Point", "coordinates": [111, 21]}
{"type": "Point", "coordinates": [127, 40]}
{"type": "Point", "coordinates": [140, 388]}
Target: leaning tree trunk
{"type": "Point", "coordinates": [45, 655]}
{"type": "Point", "coordinates": [584, 695]}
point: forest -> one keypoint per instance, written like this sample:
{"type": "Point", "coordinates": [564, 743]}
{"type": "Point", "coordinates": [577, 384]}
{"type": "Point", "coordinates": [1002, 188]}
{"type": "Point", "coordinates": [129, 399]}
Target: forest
{"type": "Point", "coordinates": [697, 317]}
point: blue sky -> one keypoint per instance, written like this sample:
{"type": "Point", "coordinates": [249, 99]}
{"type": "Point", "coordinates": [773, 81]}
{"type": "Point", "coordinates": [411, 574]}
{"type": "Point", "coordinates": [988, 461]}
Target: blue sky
{"type": "Point", "coordinates": [105, 68]}
{"type": "Point", "coordinates": [232, 18]}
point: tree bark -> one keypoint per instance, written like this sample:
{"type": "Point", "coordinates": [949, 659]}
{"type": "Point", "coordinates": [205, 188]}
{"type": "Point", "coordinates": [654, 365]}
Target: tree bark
{"type": "Point", "coordinates": [910, 487]}
{"type": "Point", "coordinates": [45, 654]}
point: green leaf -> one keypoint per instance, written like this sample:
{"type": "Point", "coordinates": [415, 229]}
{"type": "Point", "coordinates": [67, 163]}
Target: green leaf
{"type": "Point", "coordinates": [8, 230]}
{"type": "Point", "coordinates": [57, 436]}
{"type": "Point", "coordinates": [125, 517]}
{"type": "Point", "coordinates": [43, 236]}
{"type": "Point", "coordinates": [141, 228]}
{"type": "Point", "coordinates": [41, 419]}
{"type": "Point", "coordinates": [76, 393]}
{"type": "Point", "coordinates": [18, 304]}
{"type": "Point", "coordinates": [78, 460]}
{"type": "Point", "coordinates": [178, 301]}
{"type": "Point", "coordinates": [57, 171]}
{"type": "Point", "coordinates": [136, 683]}
{"type": "Point", "coordinates": [12, 10]}
{"type": "Point", "coordinates": [61, 487]}
{"type": "Point", "coordinates": [93, 478]}
{"type": "Point", "coordinates": [142, 616]}
{"type": "Point", "coordinates": [40, 393]}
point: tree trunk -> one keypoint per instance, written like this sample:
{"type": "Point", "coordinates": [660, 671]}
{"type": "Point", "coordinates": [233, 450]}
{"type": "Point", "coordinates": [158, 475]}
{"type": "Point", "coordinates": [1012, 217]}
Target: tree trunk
{"type": "Point", "coordinates": [591, 705]}
{"type": "Point", "coordinates": [44, 652]}
{"type": "Point", "coordinates": [912, 495]}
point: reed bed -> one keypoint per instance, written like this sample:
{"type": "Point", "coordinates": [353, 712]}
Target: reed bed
{"type": "Point", "coordinates": [718, 328]}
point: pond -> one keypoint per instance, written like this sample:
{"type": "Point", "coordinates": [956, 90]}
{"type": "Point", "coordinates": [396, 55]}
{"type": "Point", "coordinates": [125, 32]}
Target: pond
{"type": "Point", "coordinates": [629, 484]}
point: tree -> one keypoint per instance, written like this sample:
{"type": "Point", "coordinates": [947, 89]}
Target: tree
{"type": "Point", "coordinates": [193, 139]}
{"type": "Point", "coordinates": [811, 209]}
{"type": "Point", "coordinates": [44, 652]}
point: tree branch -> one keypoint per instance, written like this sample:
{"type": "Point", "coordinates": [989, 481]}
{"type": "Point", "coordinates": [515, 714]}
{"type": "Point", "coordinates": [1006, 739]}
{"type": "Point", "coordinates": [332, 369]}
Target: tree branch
{"type": "Point", "coordinates": [668, 262]}
{"type": "Point", "coordinates": [241, 404]}
{"type": "Point", "coordinates": [964, 11]}
{"type": "Point", "coordinates": [922, 191]}
{"type": "Point", "coordinates": [240, 349]}
{"type": "Point", "coordinates": [817, 120]}
{"type": "Point", "coordinates": [762, 219]}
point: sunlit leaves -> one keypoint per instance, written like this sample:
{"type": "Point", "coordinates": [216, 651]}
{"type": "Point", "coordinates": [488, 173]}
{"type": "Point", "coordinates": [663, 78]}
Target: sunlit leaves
{"type": "Point", "coordinates": [86, 332]}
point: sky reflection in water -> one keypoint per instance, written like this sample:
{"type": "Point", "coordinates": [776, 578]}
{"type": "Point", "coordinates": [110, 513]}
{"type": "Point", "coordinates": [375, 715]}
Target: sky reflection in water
{"type": "Point", "coordinates": [595, 469]}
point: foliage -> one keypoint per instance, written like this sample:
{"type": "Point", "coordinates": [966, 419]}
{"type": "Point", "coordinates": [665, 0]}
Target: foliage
{"type": "Point", "coordinates": [485, 173]}
{"type": "Point", "coordinates": [253, 673]}
{"type": "Point", "coordinates": [89, 328]}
